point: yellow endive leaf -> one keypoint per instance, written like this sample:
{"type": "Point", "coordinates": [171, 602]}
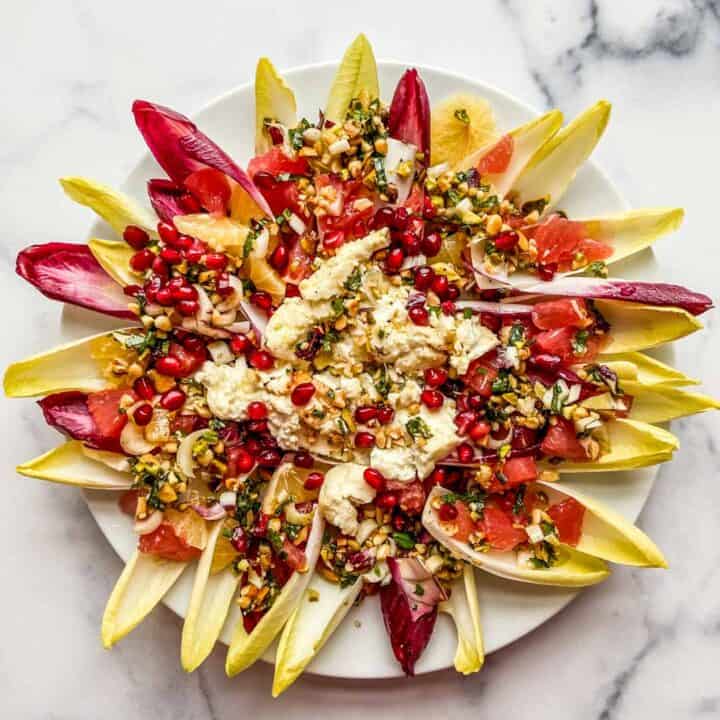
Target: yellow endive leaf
{"type": "Point", "coordinates": [527, 139]}
{"type": "Point", "coordinates": [630, 232]}
{"type": "Point", "coordinates": [69, 464]}
{"type": "Point", "coordinates": [274, 101]}
{"type": "Point", "coordinates": [644, 369]}
{"type": "Point", "coordinates": [114, 258]}
{"type": "Point", "coordinates": [554, 165]}
{"type": "Point", "coordinates": [209, 605]}
{"type": "Point", "coordinates": [322, 608]}
{"type": "Point", "coordinates": [116, 208]}
{"type": "Point", "coordinates": [141, 586]}
{"type": "Point", "coordinates": [357, 72]}
{"type": "Point", "coordinates": [222, 234]}
{"type": "Point", "coordinates": [464, 608]}
{"type": "Point", "coordinates": [246, 648]}
{"type": "Point", "coordinates": [606, 534]}
{"type": "Point", "coordinates": [573, 568]}
{"type": "Point", "coordinates": [74, 366]}
{"type": "Point", "coordinates": [658, 403]}
{"type": "Point", "coordinates": [639, 327]}
{"type": "Point", "coordinates": [632, 445]}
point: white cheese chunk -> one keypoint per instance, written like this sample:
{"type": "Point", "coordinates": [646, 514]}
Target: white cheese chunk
{"type": "Point", "coordinates": [344, 488]}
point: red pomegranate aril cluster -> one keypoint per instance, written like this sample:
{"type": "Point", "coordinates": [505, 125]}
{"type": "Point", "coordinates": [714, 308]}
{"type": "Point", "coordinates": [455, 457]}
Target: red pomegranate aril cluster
{"type": "Point", "coordinates": [142, 414]}
{"type": "Point", "coordinates": [431, 244]}
{"type": "Point", "coordinates": [215, 261]}
{"type": "Point", "coordinates": [302, 393]}
{"type": "Point", "coordinates": [257, 410]}
{"type": "Point", "coordinates": [171, 255]}
{"type": "Point", "coordinates": [303, 459]}
{"type": "Point", "coordinates": [280, 258]}
{"type": "Point", "coordinates": [464, 421]}
{"type": "Point", "coordinates": [168, 233]}
{"type": "Point", "coordinates": [424, 275]}
{"type": "Point", "coordinates": [506, 241]}
{"type": "Point", "coordinates": [435, 377]}
{"type": "Point", "coordinates": [172, 399]}
{"type": "Point", "coordinates": [240, 344]}
{"type": "Point", "coordinates": [188, 308]}
{"type": "Point", "coordinates": [385, 414]}
{"type": "Point", "coordinates": [364, 440]}
{"type": "Point", "coordinates": [169, 365]}
{"type": "Point", "coordinates": [419, 315]}
{"type": "Point", "coordinates": [432, 399]}
{"type": "Point", "coordinates": [448, 307]}
{"type": "Point", "coordinates": [438, 477]}
{"type": "Point", "coordinates": [374, 478]}
{"type": "Point", "coordinates": [261, 360]}
{"type": "Point", "coordinates": [447, 512]}
{"type": "Point", "coordinates": [479, 431]}
{"type": "Point", "coordinates": [387, 501]}
{"type": "Point", "coordinates": [440, 286]}
{"type": "Point", "coordinates": [136, 237]}
{"type": "Point", "coordinates": [365, 414]}
{"type": "Point", "coordinates": [142, 260]}
{"type": "Point", "coordinates": [394, 260]}
{"type": "Point", "coordinates": [547, 272]}
{"type": "Point", "coordinates": [465, 453]}
{"type": "Point", "coordinates": [261, 299]}
{"type": "Point", "coordinates": [314, 481]}
{"type": "Point", "coordinates": [144, 388]}
{"type": "Point", "coordinates": [269, 458]}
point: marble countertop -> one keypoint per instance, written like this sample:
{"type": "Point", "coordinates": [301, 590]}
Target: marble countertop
{"type": "Point", "coordinates": [644, 644]}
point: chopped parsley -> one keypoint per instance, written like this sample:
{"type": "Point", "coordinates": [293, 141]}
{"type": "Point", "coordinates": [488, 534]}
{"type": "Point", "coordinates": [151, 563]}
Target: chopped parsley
{"type": "Point", "coordinates": [338, 306]}
{"type": "Point", "coordinates": [354, 280]}
{"type": "Point", "coordinates": [382, 384]}
{"type": "Point", "coordinates": [517, 334]}
{"type": "Point", "coordinates": [416, 426]}
{"type": "Point", "coordinates": [598, 269]}
{"type": "Point", "coordinates": [139, 343]}
{"type": "Point", "coordinates": [579, 342]}
{"type": "Point", "coordinates": [467, 313]}
{"type": "Point", "coordinates": [461, 114]}
{"type": "Point", "coordinates": [501, 384]}
{"type": "Point", "coordinates": [380, 176]}
{"type": "Point", "coordinates": [295, 135]}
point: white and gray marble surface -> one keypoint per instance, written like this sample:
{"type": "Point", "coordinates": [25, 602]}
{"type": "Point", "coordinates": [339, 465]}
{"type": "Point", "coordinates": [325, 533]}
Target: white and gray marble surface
{"type": "Point", "coordinates": [642, 645]}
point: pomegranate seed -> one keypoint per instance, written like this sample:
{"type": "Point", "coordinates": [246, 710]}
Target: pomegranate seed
{"type": "Point", "coordinates": [314, 480]}
{"type": "Point", "coordinates": [151, 287]}
{"type": "Point", "coordinates": [169, 365]}
{"type": "Point", "coordinates": [257, 426]}
{"type": "Point", "coordinates": [239, 540]}
{"type": "Point", "coordinates": [269, 458]}
{"type": "Point", "coordinates": [164, 296]}
{"type": "Point", "coordinates": [476, 402]}
{"type": "Point", "coordinates": [257, 410]}
{"type": "Point", "coordinates": [302, 393]}
{"type": "Point", "coordinates": [465, 453]}
{"type": "Point", "coordinates": [479, 431]}
{"type": "Point", "coordinates": [547, 272]}
{"type": "Point", "coordinates": [386, 501]}
{"type": "Point", "coordinates": [364, 440]}
{"type": "Point", "coordinates": [135, 237]}
{"type": "Point", "coordinates": [239, 344]}
{"type": "Point", "coordinates": [440, 286]}
{"type": "Point", "coordinates": [464, 421]}
{"type": "Point", "coordinates": [438, 476]}
{"type": "Point", "coordinates": [184, 242]}
{"type": "Point", "coordinates": [490, 321]}
{"type": "Point", "coordinates": [447, 512]}
{"type": "Point", "coordinates": [385, 414]}
{"type": "Point", "coordinates": [171, 255]}
{"type": "Point", "coordinates": [194, 254]}
{"type": "Point", "coordinates": [382, 218]}
{"type": "Point", "coordinates": [435, 377]}
{"type": "Point", "coordinates": [279, 258]}
{"type": "Point", "coordinates": [395, 258]}
{"type": "Point", "coordinates": [188, 307]}
{"type": "Point", "coordinates": [142, 260]}
{"type": "Point", "coordinates": [184, 292]}
{"type": "Point", "coordinates": [365, 413]}
{"type": "Point", "coordinates": [400, 218]}
{"type": "Point", "coordinates": [431, 244]}
{"type": "Point", "coordinates": [143, 414]}
{"type": "Point", "coordinates": [410, 243]}
{"type": "Point", "coordinates": [215, 261]}
{"type": "Point", "coordinates": [253, 447]}
{"type": "Point", "coordinates": [419, 315]}
{"type": "Point", "coordinates": [144, 387]}
{"type": "Point", "coordinates": [453, 292]}
{"type": "Point", "coordinates": [261, 360]}
{"type": "Point", "coordinates": [303, 460]}
{"type": "Point", "coordinates": [244, 461]}
{"type": "Point", "coordinates": [189, 204]}
{"type": "Point", "coordinates": [264, 180]}
{"type": "Point", "coordinates": [398, 522]}
{"type": "Point", "coordinates": [261, 299]}
{"type": "Point", "coordinates": [374, 478]}
{"type": "Point", "coordinates": [429, 210]}
{"type": "Point", "coordinates": [424, 276]}
{"type": "Point", "coordinates": [168, 233]}
{"type": "Point", "coordinates": [132, 290]}
{"type": "Point", "coordinates": [546, 361]}
{"type": "Point", "coordinates": [160, 268]}
{"type": "Point", "coordinates": [432, 399]}
{"type": "Point", "coordinates": [448, 307]}
{"type": "Point", "coordinates": [173, 399]}
{"type": "Point", "coordinates": [334, 240]}
{"type": "Point", "coordinates": [506, 241]}
{"type": "Point", "coordinates": [291, 290]}
{"type": "Point", "coordinates": [193, 343]}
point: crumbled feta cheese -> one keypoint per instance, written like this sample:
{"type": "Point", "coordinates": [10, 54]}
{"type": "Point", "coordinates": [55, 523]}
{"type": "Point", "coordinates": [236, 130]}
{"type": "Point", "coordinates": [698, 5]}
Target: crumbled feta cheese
{"type": "Point", "coordinates": [343, 489]}
{"type": "Point", "coordinates": [472, 340]}
{"type": "Point", "coordinates": [290, 325]}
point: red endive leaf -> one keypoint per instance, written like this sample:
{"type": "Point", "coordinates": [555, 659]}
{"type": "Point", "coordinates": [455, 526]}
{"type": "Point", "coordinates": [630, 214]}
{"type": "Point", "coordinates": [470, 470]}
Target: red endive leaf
{"type": "Point", "coordinates": [68, 412]}
{"type": "Point", "coordinates": [165, 198]}
{"type": "Point", "coordinates": [181, 149]}
{"type": "Point", "coordinates": [409, 119]}
{"type": "Point", "coordinates": [409, 607]}
{"type": "Point", "coordinates": [70, 273]}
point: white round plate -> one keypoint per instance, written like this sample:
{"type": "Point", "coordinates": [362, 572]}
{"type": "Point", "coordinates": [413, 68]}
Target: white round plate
{"type": "Point", "coordinates": [360, 647]}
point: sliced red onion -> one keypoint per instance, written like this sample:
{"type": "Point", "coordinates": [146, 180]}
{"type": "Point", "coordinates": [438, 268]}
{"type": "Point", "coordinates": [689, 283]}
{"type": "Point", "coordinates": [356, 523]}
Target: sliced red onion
{"type": "Point", "coordinates": [150, 524]}
{"type": "Point", "coordinates": [257, 318]}
{"type": "Point", "coordinates": [409, 119]}
{"type": "Point", "coordinates": [228, 499]}
{"type": "Point", "coordinates": [413, 261]}
{"type": "Point", "coordinates": [70, 273]}
{"type": "Point", "coordinates": [494, 308]}
{"type": "Point", "coordinates": [658, 294]}
{"type": "Point", "coordinates": [212, 512]}
{"type": "Point", "coordinates": [181, 149]}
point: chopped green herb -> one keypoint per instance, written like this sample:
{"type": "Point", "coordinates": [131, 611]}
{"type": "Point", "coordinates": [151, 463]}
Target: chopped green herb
{"type": "Point", "coordinates": [419, 589]}
{"type": "Point", "coordinates": [517, 334]}
{"type": "Point", "coordinates": [501, 384]}
{"type": "Point", "coordinates": [519, 504]}
{"type": "Point", "coordinates": [404, 540]}
{"type": "Point", "coordinates": [380, 176]}
{"type": "Point", "coordinates": [416, 426]}
{"type": "Point", "coordinates": [467, 313]}
{"type": "Point", "coordinates": [338, 306]}
{"type": "Point", "coordinates": [579, 342]}
{"type": "Point", "coordinates": [354, 280]}
{"type": "Point", "coordinates": [597, 269]}
{"type": "Point", "coordinates": [461, 114]}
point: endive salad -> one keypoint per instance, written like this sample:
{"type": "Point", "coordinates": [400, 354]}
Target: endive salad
{"type": "Point", "coordinates": [355, 364]}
